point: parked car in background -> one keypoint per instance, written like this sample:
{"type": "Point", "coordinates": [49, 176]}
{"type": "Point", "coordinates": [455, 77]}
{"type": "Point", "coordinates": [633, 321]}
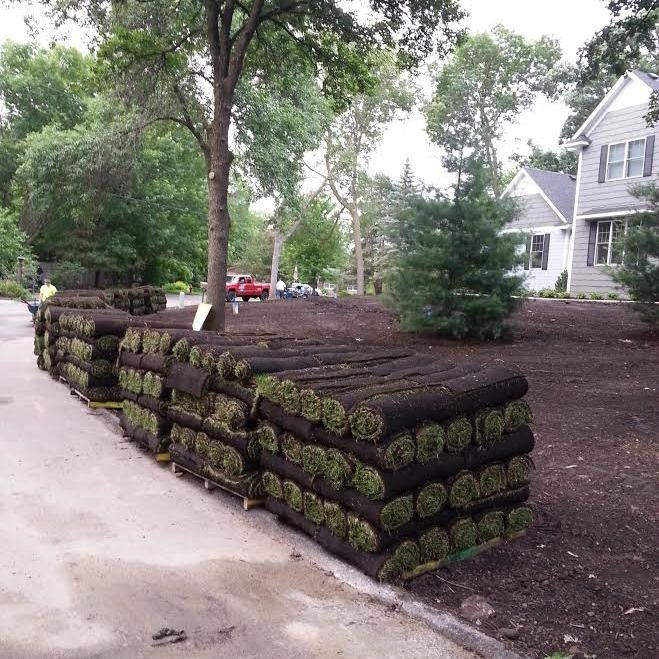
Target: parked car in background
{"type": "Point", "coordinates": [245, 287]}
{"type": "Point", "coordinates": [297, 289]}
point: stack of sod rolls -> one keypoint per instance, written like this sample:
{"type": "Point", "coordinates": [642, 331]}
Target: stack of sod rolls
{"type": "Point", "coordinates": [48, 347]}
{"type": "Point", "coordinates": [396, 465]}
{"type": "Point", "coordinates": [88, 347]}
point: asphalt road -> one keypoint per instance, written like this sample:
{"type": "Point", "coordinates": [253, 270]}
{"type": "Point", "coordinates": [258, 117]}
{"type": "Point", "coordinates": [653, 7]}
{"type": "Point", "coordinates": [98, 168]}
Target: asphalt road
{"type": "Point", "coordinates": [100, 547]}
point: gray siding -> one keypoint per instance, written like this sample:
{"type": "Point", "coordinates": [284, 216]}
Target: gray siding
{"type": "Point", "coordinates": [537, 278]}
{"type": "Point", "coordinates": [616, 126]}
{"type": "Point", "coordinates": [589, 278]}
{"type": "Point", "coordinates": [534, 211]}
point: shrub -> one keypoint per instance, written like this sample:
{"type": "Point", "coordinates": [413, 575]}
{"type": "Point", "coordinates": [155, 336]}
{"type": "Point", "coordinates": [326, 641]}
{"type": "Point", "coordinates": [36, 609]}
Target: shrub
{"type": "Point", "coordinates": [176, 287]}
{"type": "Point", "coordinates": [343, 294]}
{"type": "Point", "coordinates": [451, 269]}
{"type": "Point", "coordinates": [612, 296]}
{"type": "Point", "coordinates": [561, 282]}
{"type": "Point", "coordinates": [10, 288]}
{"type": "Point", "coordinates": [547, 292]}
{"type": "Point", "coordinates": [596, 296]}
{"type": "Point", "coordinates": [67, 274]}
{"type": "Point", "coordinates": [580, 296]}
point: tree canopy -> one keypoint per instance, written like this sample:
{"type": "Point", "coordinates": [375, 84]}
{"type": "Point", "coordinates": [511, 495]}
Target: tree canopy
{"type": "Point", "coordinates": [490, 79]}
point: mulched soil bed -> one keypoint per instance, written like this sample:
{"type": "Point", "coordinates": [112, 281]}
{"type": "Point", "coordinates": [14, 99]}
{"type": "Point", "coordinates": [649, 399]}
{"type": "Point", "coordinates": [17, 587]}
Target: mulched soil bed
{"type": "Point", "coordinates": [581, 580]}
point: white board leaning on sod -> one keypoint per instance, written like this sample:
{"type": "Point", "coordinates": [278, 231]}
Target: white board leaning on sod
{"type": "Point", "coordinates": [200, 317]}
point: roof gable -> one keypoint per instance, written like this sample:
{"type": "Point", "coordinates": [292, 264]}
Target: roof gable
{"type": "Point", "coordinates": [557, 189]}
{"type": "Point", "coordinates": [638, 85]}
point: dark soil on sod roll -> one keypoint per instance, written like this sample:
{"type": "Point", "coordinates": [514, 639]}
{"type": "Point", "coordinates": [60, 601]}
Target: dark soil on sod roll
{"type": "Point", "coordinates": [154, 443]}
{"type": "Point", "coordinates": [347, 497]}
{"type": "Point", "coordinates": [233, 389]}
{"type": "Point", "coordinates": [388, 455]}
{"type": "Point", "coordinates": [184, 417]}
{"type": "Point", "coordinates": [387, 566]}
{"type": "Point", "coordinates": [398, 482]}
{"type": "Point", "coordinates": [154, 404]}
{"type": "Point", "coordinates": [290, 516]}
{"type": "Point", "coordinates": [245, 442]}
{"type": "Point", "coordinates": [186, 378]}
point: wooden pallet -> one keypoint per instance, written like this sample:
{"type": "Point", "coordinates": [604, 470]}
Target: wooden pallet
{"type": "Point", "coordinates": [210, 485]}
{"type": "Point", "coordinates": [93, 404]}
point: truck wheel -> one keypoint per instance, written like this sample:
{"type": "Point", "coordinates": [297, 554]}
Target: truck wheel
{"type": "Point", "coordinates": [245, 298]}
{"type": "Point", "coordinates": [264, 296]}
{"type": "Point", "coordinates": [231, 296]}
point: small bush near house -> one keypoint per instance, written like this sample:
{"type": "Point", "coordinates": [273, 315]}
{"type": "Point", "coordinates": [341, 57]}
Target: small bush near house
{"type": "Point", "coordinates": [10, 288]}
{"type": "Point", "coordinates": [176, 287]}
{"type": "Point", "coordinates": [596, 296]}
{"type": "Point", "coordinates": [580, 296]}
{"type": "Point", "coordinates": [561, 282]}
{"type": "Point", "coordinates": [613, 296]}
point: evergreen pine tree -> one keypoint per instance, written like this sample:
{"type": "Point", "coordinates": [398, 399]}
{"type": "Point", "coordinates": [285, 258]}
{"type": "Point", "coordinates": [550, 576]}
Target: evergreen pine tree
{"type": "Point", "coordinates": [639, 272]}
{"type": "Point", "coordinates": [451, 274]}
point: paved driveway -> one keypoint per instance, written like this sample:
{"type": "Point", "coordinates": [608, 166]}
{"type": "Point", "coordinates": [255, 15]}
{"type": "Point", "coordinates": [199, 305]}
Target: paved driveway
{"type": "Point", "coordinates": [100, 547]}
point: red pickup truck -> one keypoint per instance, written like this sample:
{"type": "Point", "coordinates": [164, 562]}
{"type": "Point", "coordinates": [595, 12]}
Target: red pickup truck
{"type": "Point", "coordinates": [244, 286]}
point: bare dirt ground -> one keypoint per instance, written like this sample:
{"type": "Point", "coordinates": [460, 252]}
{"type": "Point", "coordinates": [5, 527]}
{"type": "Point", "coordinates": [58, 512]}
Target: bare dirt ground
{"type": "Point", "coordinates": [584, 580]}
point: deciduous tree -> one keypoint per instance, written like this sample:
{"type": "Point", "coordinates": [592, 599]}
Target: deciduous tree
{"type": "Point", "coordinates": [183, 61]}
{"type": "Point", "coordinates": [488, 82]}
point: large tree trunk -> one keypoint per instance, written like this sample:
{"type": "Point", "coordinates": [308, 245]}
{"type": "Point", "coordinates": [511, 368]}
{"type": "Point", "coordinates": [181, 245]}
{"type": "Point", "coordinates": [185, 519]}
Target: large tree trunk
{"type": "Point", "coordinates": [218, 165]}
{"type": "Point", "coordinates": [274, 267]}
{"type": "Point", "coordinates": [359, 255]}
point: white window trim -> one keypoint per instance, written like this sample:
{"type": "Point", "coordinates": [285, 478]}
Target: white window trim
{"type": "Point", "coordinates": [542, 251]}
{"type": "Point", "coordinates": [608, 264]}
{"type": "Point", "coordinates": [625, 159]}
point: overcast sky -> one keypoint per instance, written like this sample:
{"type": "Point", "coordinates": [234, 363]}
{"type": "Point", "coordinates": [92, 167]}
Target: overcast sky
{"type": "Point", "coordinates": [572, 22]}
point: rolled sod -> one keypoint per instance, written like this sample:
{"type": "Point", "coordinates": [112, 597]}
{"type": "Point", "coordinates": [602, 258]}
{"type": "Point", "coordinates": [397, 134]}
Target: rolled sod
{"type": "Point", "coordinates": [517, 413]}
{"type": "Point", "coordinates": [489, 425]}
{"type": "Point", "coordinates": [463, 534]}
{"type": "Point", "coordinates": [188, 379]}
{"type": "Point", "coordinates": [336, 518]}
{"type": "Point", "coordinates": [185, 436]}
{"type": "Point", "coordinates": [491, 479]}
{"type": "Point", "coordinates": [430, 500]}
{"type": "Point", "coordinates": [394, 453]}
{"type": "Point", "coordinates": [248, 485]}
{"type": "Point", "coordinates": [146, 439]}
{"type": "Point", "coordinates": [311, 405]}
{"type": "Point", "coordinates": [293, 495]}
{"type": "Point", "coordinates": [313, 508]}
{"type": "Point", "coordinates": [314, 459]}
{"type": "Point", "coordinates": [500, 500]}
{"type": "Point", "coordinates": [204, 444]}
{"type": "Point", "coordinates": [246, 394]}
{"type": "Point", "coordinates": [462, 489]}
{"type": "Point", "coordinates": [362, 535]}
{"type": "Point", "coordinates": [490, 525]}
{"type": "Point", "coordinates": [518, 520]}
{"type": "Point", "coordinates": [231, 411]}
{"type": "Point", "coordinates": [338, 469]}
{"type": "Point", "coordinates": [518, 470]}
{"type": "Point", "coordinates": [245, 442]}
{"type": "Point", "coordinates": [459, 433]}
{"type": "Point", "coordinates": [184, 417]}
{"type": "Point", "coordinates": [153, 404]}
{"type": "Point", "coordinates": [268, 437]}
{"type": "Point", "coordinates": [430, 440]}
{"type": "Point", "coordinates": [386, 566]}
{"type": "Point", "coordinates": [291, 447]}
{"type": "Point", "coordinates": [290, 516]}
{"type": "Point", "coordinates": [385, 415]}
{"type": "Point", "coordinates": [434, 544]}
{"type": "Point", "coordinates": [385, 515]}
{"type": "Point", "coordinates": [272, 484]}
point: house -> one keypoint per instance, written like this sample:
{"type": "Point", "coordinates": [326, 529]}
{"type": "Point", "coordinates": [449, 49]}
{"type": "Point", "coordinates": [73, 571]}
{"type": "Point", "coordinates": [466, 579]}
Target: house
{"type": "Point", "coordinates": [577, 225]}
{"type": "Point", "coordinates": [616, 149]}
{"type": "Point", "coordinates": [546, 202]}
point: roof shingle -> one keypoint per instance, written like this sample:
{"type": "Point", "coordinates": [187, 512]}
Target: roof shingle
{"type": "Point", "coordinates": [559, 188]}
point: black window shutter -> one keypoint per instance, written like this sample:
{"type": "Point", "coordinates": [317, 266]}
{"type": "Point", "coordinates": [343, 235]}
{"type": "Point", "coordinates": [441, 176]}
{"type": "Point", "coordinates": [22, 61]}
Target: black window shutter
{"type": "Point", "coordinates": [649, 153]}
{"type": "Point", "coordinates": [604, 153]}
{"type": "Point", "coordinates": [545, 251]}
{"type": "Point", "coordinates": [527, 258]}
{"type": "Point", "coordinates": [592, 237]}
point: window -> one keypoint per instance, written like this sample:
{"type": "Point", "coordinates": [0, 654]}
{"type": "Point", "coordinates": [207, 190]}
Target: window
{"type": "Point", "coordinates": [625, 160]}
{"type": "Point", "coordinates": [537, 248]}
{"type": "Point", "coordinates": [608, 244]}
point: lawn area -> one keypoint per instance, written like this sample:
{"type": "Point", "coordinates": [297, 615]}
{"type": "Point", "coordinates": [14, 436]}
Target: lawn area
{"type": "Point", "coordinates": [581, 581]}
